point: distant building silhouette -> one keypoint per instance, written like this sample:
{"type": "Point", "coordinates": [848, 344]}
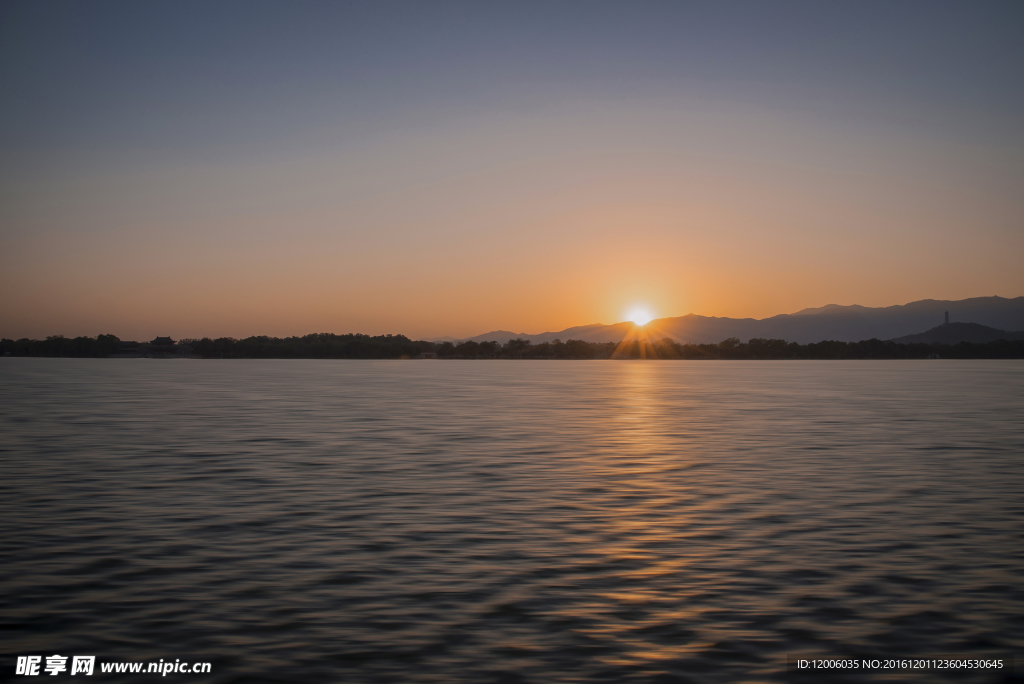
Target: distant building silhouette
{"type": "Point", "coordinates": [947, 318]}
{"type": "Point", "coordinates": [161, 347]}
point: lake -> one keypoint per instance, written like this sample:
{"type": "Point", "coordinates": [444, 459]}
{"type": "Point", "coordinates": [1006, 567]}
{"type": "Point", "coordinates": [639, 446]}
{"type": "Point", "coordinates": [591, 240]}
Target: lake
{"type": "Point", "coordinates": [511, 521]}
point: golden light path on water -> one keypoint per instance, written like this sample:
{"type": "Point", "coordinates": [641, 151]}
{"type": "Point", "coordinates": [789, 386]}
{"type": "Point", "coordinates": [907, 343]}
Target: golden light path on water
{"type": "Point", "coordinates": [639, 455]}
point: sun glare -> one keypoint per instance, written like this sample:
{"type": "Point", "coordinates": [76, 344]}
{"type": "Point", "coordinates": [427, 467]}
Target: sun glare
{"type": "Point", "coordinates": [640, 316]}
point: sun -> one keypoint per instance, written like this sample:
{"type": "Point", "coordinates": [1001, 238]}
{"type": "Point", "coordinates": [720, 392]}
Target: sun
{"type": "Point", "coordinates": [640, 316]}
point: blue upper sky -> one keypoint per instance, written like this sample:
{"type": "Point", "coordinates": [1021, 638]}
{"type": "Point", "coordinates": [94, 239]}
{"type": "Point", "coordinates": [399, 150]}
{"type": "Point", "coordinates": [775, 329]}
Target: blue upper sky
{"type": "Point", "coordinates": [182, 76]}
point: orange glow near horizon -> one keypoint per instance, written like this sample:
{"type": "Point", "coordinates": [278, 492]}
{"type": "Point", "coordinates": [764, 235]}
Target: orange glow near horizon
{"type": "Point", "coordinates": [315, 243]}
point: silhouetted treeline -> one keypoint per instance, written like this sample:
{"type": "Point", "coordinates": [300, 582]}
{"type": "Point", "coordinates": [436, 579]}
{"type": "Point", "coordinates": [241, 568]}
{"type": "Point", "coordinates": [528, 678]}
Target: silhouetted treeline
{"type": "Point", "coordinates": [58, 345]}
{"type": "Point", "coordinates": [524, 349]}
{"type": "Point", "coordinates": [761, 349]}
{"type": "Point", "coordinates": [355, 346]}
{"type": "Point", "coordinates": [316, 346]}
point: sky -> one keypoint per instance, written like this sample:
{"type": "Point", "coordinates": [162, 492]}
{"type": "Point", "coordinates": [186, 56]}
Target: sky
{"type": "Point", "coordinates": [445, 169]}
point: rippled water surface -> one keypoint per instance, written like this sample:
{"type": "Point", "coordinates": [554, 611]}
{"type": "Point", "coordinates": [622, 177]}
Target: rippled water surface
{"type": "Point", "coordinates": [510, 521]}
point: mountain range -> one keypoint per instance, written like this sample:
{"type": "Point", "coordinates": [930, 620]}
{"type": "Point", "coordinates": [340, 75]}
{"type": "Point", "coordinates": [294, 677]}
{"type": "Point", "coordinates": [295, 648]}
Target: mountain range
{"type": "Point", "coordinates": [954, 333]}
{"type": "Point", "coordinates": [833, 322]}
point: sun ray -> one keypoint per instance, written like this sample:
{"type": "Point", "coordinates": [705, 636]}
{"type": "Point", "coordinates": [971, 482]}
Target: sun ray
{"type": "Point", "coordinates": [645, 335]}
{"type": "Point", "coordinates": [642, 333]}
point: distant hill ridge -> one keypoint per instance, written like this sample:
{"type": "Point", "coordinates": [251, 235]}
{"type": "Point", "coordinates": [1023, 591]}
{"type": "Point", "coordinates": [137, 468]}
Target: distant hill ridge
{"type": "Point", "coordinates": [955, 333]}
{"type": "Point", "coordinates": [844, 323]}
